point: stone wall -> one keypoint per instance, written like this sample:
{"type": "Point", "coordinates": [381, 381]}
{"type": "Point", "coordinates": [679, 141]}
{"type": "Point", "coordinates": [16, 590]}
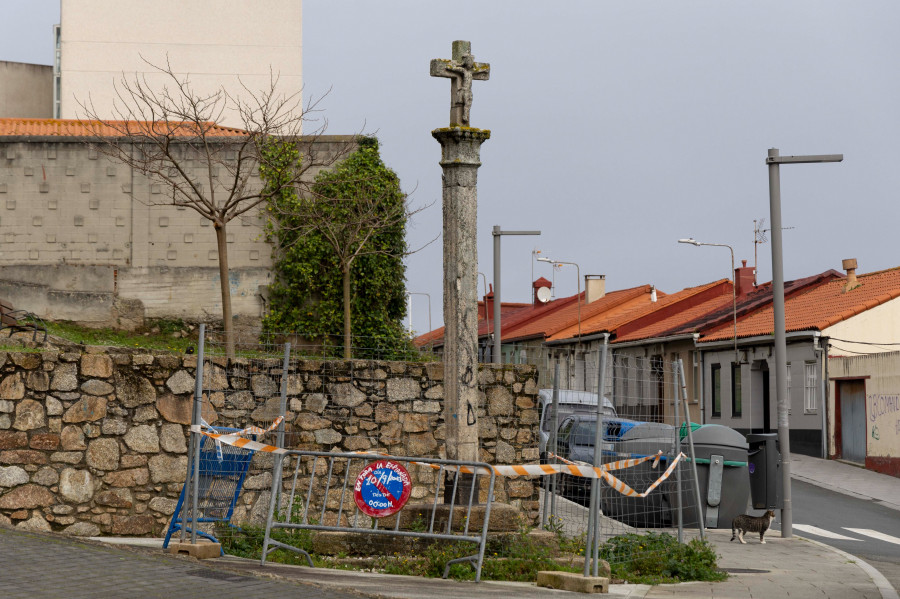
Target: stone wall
{"type": "Point", "coordinates": [93, 440]}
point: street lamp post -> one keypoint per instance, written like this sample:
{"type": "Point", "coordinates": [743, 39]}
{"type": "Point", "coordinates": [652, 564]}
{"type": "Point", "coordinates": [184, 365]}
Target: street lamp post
{"type": "Point", "coordinates": [693, 241]}
{"type": "Point", "coordinates": [409, 295]}
{"type": "Point", "coordinates": [497, 233]}
{"type": "Point", "coordinates": [577, 297]}
{"type": "Point", "coordinates": [774, 160]}
{"type": "Point", "coordinates": [487, 317]}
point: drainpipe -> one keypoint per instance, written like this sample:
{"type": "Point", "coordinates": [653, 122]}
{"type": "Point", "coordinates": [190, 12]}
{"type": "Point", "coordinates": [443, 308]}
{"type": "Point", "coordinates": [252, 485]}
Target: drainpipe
{"type": "Point", "coordinates": [702, 379]}
{"type": "Point", "coordinates": [822, 350]}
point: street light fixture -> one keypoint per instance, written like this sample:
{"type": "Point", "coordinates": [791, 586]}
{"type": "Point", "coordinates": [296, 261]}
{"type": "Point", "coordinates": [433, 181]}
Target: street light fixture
{"type": "Point", "coordinates": [693, 241]}
{"type": "Point", "coordinates": [774, 160]}
{"type": "Point", "coordinates": [577, 297]}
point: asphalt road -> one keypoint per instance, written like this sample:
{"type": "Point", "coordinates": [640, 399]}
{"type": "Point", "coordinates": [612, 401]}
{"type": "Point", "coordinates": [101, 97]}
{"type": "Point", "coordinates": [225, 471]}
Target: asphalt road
{"type": "Point", "coordinates": [861, 527]}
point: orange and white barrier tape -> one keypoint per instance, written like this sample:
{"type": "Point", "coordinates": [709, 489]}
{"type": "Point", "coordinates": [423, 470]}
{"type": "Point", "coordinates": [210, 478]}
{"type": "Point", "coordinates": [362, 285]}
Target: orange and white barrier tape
{"type": "Point", "coordinates": [583, 471]}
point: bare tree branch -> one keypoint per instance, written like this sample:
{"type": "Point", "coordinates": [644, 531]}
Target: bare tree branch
{"type": "Point", "coordinates": [169, 133]}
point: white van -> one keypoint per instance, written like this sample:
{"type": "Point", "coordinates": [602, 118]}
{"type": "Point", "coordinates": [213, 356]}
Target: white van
{"type": "Point", "coordinates": [570, 402]}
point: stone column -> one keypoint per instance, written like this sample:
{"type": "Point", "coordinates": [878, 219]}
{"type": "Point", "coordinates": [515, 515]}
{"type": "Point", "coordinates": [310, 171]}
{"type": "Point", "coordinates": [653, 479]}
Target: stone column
{"type": "Point", "coordinates": [460, 159]}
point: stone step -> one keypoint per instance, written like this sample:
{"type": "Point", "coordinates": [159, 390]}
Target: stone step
{"type": "Point", "coordinates": [417, 516]}
{"type": "Point", "coordinates": [363, 544]}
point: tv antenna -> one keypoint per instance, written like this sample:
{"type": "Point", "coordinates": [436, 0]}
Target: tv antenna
{"type": "Point", "coordinates": [759, 236]}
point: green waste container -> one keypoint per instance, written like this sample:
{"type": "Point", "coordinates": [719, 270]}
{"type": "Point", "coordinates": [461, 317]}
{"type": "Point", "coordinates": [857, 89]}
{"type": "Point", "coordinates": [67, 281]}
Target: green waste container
{"type": "Point", "coordinates": [653, 511]}
{"type": "Point", "coordinates": [722, 475]}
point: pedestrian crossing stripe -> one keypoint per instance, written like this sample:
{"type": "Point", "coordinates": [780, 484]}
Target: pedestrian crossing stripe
{"type": "Point", "coordinates": [821, 532]}
{"type": "Point", "coordinates": [868, 532]}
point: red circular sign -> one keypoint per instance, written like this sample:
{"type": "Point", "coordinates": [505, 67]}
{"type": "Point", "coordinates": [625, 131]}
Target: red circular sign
{"type": "Point", "coordinates": [382, 488]}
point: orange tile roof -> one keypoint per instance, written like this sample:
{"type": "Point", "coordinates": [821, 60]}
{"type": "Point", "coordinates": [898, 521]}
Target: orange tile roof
{"type": "Point", "coordinates": [76, 128]}
{"type": "Point", "coordinates": [715, 310]}
{"type": "Point", "coordinates": [484, 326]}
{"type": "Point", "coordinates": [543, 320]}
{"type": "Point", "coordinates": [556, 324]}
{"type": "Point", "coordinates": [685, 306]}
{"type": "Point", "coordinates": [819, 307]}
{"type": "Point", "coordinates": [609, 320]}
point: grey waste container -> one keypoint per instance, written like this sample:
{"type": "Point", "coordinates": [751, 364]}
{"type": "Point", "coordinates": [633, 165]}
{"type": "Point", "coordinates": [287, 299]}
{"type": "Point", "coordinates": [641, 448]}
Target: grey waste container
{"type": "Point", "coordinates": [764, 458]}
{"type": "Point", "coordinates": [722, 476]}
{"type": "Point", "coordinates": [653, 511]}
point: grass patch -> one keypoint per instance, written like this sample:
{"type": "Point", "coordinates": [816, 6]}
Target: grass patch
{"type": "Point", "coordinates": [653, 558]}
{"type": "Point", "coordinates": [518, 561]}
{"type": "Point", "coordinates": [658, 558]}
{"type": "Point", "coordinates": [156, 334]}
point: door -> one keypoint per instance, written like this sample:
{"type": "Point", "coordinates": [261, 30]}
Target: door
{"type": "Point", "coordinates": [853, 420]}
{"type": "Point", "coordinates": [767, 409]}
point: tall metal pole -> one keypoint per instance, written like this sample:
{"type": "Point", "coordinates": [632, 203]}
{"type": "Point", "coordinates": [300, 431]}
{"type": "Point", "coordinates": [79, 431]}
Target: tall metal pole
{"type": "Point", "coordinates": [783, 401]}
{"type": "Point", "coordinates": [693, 455]}
{"type": "Point", "coordinates": [596, 507]}
{"type": "Point", "coordinates": [497, 357]}
{"type": "Point", "coordinates": [774, 160]}
{"type": "Point", "coordinates": [676, 449]}
{"type": "Point", "coordinates": [198, 438]}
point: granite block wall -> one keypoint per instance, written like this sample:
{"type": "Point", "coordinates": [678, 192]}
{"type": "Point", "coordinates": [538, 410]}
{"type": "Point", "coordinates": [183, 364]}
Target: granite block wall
{"type": "Point", "coordinates": [93, 441]}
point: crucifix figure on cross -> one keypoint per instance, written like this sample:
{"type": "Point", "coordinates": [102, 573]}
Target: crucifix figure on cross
{"type": "Point", "coordinates": [461, 70]}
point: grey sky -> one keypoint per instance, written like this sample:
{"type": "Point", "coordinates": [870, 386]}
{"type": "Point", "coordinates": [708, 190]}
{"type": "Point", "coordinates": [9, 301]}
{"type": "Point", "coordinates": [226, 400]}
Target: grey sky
{"type": "Point", "coordinates": [617, 127]}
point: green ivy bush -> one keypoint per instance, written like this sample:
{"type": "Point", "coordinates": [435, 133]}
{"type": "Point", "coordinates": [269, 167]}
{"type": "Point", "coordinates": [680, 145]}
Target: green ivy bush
{"type": "Point", "coordinates": [306, 297]}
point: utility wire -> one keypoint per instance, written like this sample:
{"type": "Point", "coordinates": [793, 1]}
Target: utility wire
{"type": "Point", "coordinates": [860, 342]}
{"type": "Point", "coordinates": [850, 351]}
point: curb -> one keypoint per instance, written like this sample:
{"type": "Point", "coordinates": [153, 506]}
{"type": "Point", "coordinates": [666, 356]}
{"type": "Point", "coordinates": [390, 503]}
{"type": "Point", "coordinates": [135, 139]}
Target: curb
{"type": "Point", "coordinates": [884, 587]}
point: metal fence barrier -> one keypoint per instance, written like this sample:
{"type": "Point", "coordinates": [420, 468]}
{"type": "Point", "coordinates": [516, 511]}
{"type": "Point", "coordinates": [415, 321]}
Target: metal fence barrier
{"type": "Point", "coordinates": [318, 476]}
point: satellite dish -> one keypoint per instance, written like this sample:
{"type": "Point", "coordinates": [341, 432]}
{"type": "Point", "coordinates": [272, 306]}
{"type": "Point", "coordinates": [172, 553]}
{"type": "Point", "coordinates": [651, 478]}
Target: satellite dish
{"type": "Point", "coordinates": [543, 294]}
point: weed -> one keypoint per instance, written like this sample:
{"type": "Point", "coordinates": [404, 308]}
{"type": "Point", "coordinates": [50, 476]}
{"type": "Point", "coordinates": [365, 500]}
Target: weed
{"type": "Point", "coordinates": [656, 558]}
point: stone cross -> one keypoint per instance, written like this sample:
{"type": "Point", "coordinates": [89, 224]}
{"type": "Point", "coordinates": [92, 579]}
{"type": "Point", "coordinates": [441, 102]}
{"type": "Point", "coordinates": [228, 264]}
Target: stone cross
{"type": "Point", "coordinates": [461, 70]}
{"type": "Point", "coordinates": [460, 159]}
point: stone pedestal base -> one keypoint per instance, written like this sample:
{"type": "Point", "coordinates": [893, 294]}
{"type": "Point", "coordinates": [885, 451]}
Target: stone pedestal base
{"type": "Point", "coordinates": [463, 489]}
{"type": "Point", "coordinates": [569, 581]}
{"type": "Point", "coordinates": [201, 550]}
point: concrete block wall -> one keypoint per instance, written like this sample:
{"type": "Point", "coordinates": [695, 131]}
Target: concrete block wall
{"type": "Point", "coordinates": [78, 232]}
{"type": "Point", "coordinates": [26, 90]}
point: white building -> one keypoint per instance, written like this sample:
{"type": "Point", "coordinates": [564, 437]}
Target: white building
{"type": "Point", "coordinates": [228, 44]}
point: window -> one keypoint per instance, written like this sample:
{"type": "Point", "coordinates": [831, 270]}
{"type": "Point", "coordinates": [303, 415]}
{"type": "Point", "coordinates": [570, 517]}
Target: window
{"type": "Point", "coordinates": [585, 433]}
{"type": "Point", "coordinates": [716, 395]}
{"type": "Point", "coordinates": [564, 431]}
{"type": "Point", "coordinates": [735, 390]}
{"type": "Point", "coordinates": [809, 387]}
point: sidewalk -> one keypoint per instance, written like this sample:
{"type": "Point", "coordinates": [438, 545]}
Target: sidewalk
{"type": "Point", "coordinates": [848, 479]}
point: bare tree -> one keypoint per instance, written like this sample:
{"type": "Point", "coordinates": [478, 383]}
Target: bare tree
{"type": "Point", "coordinates": [158, 131]}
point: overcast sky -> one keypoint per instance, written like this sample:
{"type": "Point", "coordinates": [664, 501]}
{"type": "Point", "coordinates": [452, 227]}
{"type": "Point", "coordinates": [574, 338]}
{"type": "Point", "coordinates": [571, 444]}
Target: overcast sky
{"type": "Point", "coordinates": [617, 127]}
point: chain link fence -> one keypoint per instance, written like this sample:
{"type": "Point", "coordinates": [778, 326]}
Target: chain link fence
{"type": "Point", "coordinates": [636, 434]}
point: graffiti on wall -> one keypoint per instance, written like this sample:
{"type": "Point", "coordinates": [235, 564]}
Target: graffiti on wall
{"type": "Point", "coordinates": [884, 409]}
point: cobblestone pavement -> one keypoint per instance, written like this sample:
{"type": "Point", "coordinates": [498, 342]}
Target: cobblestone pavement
{"type": "Point", "coordinates": [39, 566]}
